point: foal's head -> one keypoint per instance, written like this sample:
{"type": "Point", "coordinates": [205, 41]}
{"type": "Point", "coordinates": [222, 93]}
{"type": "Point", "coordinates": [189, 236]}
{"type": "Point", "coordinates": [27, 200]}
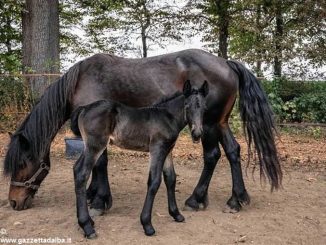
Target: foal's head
{"type": "Point", "coordinates": [195, 106]}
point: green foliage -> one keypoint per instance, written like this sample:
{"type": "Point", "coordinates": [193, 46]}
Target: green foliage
{"type": "Point", "coordinates": [10, 36]}
{"type": "Point", "coordinates": [311, 107]}
{"type": "Point", "coordinates": [315, 132]}
{"type": "Point", "coordinates": [277, 105]}
{"type": "Point", "coordinates": [297, 101]}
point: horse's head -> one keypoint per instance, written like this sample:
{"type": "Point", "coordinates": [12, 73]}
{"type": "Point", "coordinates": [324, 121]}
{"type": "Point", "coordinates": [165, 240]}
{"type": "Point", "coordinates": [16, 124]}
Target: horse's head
{"type": "Point", "coordinates": [195, 106]}
{"type": "Point", "coordinates": [26, 172]}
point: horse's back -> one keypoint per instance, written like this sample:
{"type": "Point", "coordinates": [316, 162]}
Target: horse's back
{"type": "Point", "coordinates": [141, 82]}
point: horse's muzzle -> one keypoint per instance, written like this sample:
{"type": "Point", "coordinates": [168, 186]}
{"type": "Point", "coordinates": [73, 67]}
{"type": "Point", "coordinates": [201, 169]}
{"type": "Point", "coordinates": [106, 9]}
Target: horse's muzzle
{"type": "Point", "coordinates": [196, 135]}
{"type": "Point", "coordinates": [27, 203]}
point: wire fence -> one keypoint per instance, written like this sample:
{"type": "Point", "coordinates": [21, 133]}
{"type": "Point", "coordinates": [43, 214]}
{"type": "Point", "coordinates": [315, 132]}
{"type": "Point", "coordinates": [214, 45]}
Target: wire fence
{"type": "Point", "coordinates": [16, 101]}
{"type": "Point", "coordinates": [16, 98]}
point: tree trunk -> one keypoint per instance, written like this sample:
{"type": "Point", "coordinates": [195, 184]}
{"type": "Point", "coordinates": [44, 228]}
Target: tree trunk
{"type": "Point", "coordinates": [144, 42]}
{"type": "Point", "coordinates": [259, 72]}
{"type": "Point", "coordinates": [146, 21]}
{"type": "Point", "coordinates": [222, 7]}
{"type": "Point", "coordinates": [278, 39]}
{"type": "Point", "coordinates": [40, 24]}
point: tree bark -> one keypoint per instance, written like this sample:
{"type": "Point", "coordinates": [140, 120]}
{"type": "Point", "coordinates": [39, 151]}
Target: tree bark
{"type": "Point", "coordinates": [258, 40]}
{"type": "Point", "coordinates": [40, 25]}
{"type": "Point", "coordinates": [222, 7]}
{"type": "Point", "coordinates": [144, 26]}
{"type": "Point", "coordinates": [279, 28]}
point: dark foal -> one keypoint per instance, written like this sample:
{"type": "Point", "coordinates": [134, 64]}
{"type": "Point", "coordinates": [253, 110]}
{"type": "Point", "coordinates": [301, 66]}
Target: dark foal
{"type": "Point", "coordinates": [151, 129]}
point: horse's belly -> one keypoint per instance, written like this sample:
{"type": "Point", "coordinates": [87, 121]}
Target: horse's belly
{"type": "Point", "coordinates": [129, 143]}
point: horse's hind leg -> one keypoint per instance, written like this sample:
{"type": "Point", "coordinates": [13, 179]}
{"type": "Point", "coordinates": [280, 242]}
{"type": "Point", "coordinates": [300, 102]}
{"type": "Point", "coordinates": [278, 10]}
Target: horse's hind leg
{"type": "Point", "coordinates": [102, 198]}
{"type": "Point", "coordinates": [232, 150]}
{"type": "Point", "coordinates": [212, 153]}
{"type": "Point", "coordinates": [170, 181]}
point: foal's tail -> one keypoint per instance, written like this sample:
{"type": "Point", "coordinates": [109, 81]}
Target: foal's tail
{"type": "Point", "coordinates": [74, 126]}
{"type": "Point", "coordinates": [258, 122]}
{"type": "Point", "coordinates": [74, 121]}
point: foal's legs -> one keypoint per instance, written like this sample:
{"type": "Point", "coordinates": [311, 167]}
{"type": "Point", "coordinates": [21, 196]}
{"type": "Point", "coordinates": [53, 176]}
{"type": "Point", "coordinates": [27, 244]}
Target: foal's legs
{"type": "Point", "coordinates": [93, 186]}
{"type": "Point", "coordinates": [232, 150]}
{"type": "Point", "coordinates": [82, 171]}
{"type": "Point", "coordinates": [170, 180]}
{"type": "Point", "coordinates": [100, 197]}
{"type": "Point", "coordinates": [158, 155]}
{"type": "Point", "coordinates": [211, 155]}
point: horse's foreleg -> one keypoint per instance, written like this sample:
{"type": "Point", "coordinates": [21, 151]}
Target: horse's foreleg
{"type": "Point", "coordinates": [157, 155]}
{"type": "Point", "coordinates": [232, 150]}
{"type": "Point", "coordinates": [212, 153]}
{"type": "Point", "coordinates": [170, 181]}
{"type": "Point", "coordinates": [102, 198]}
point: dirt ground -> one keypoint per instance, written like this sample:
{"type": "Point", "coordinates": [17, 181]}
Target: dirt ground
{"type": "Point", "coordinates": [294, 215]}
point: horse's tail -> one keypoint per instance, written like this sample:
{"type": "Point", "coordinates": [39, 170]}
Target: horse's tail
{"type": "Point", "coordinates": [258, 122]}
{"type": "Point", "coordinates": [42, 124]}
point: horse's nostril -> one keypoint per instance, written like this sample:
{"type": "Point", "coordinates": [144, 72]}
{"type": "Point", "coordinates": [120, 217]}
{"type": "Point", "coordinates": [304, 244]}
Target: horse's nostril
{"type": "Point", "coordinates": [13, 204]}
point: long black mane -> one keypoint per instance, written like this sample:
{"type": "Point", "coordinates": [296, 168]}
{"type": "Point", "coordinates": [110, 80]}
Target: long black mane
{"type": "Point", "coordinates": [166, 99]}
{"type": "Point", "coordinates": [33, 138]}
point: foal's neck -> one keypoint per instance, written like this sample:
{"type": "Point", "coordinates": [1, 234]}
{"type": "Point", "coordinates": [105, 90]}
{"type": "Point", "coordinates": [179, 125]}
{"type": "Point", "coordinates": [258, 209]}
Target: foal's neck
{"type": "Point", "coordinates": [176, 108]}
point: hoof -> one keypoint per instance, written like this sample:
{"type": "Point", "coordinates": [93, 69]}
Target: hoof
{"type": "Point", "coordinates": [149, 231]}
{"type": "Point", "coordinates": [244, 203]}
{"type": "Point", "coordinates": [244, 199]}
{"type": "Point", "coordinates": [93, 212]}
{"type": "Point", "coordinates": [92, 236]}
{"type": "Point", "coordinates": [195, 204]}
{"type": "Point", "coordinates": [191, 205]}
{"type": "Point", "coordinates": [197, 207]}
{"type": "Point", "coordinates": [202, 206]}
{"type": "Point", "coordinates": [179, 218]}
{"type": "Point", "coordinates": [228, 209]}
{"type": "Point", "coordinates": [188, 208]}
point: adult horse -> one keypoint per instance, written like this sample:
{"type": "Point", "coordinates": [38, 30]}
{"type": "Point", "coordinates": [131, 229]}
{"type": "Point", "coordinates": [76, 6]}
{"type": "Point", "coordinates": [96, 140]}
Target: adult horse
{"type": "Point", "coordinates": [139, 83]}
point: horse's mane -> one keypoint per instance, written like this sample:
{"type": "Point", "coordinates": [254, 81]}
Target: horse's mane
{"type": "Point", "coordinates": [166, 99]}
{"type": "Point", "coordinates": [41, 125]}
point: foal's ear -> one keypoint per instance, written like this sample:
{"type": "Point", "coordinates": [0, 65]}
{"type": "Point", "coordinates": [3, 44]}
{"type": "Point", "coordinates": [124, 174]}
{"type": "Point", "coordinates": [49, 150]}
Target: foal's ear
{"type": "Point", "coordinates": [187, 88]}
{"type": "Point", "coordinates": [204, 88]}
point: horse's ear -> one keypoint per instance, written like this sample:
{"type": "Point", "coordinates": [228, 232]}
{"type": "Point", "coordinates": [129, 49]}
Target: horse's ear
{"type": "Point", "coordinates": [187, 88]}
{"type": "Point", "coordinates": [23, 141]}
{"type": "Point", "coordinates": [204, 88]}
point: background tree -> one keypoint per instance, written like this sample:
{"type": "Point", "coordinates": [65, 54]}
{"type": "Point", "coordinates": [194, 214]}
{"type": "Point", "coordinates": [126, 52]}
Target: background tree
{"type": "Point", "coordinates": [10, 36]}
{"type": "Point", "coordinates": [114, 26]}
{"type": "Point", "coordinates": [40, 26]}
{"type": "Point", "coordinates": [214, 18]}
{"type": "Point", "coordinates": [72, 35]}
{"type": "Point", "coordinates": [280, 34]}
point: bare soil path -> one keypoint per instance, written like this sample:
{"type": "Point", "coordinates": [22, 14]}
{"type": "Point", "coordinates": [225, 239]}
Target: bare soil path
{"type": "Point", "coordinates": [294, 215]}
